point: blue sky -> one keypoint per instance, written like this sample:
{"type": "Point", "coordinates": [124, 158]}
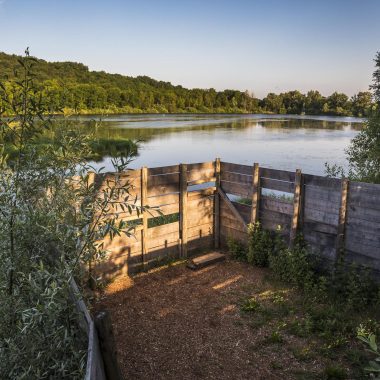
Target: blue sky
{"type": "Point", "coordinates": [259, 45]}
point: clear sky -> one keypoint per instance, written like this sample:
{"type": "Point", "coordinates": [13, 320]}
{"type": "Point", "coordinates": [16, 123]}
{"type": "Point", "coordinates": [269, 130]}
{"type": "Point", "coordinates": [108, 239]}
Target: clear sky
{"type": "Point", "coordinates": [259, 45]}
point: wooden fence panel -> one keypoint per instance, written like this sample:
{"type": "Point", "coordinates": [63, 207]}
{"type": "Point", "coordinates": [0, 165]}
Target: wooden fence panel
{"type": "Point", "coordinates": [319, 208]}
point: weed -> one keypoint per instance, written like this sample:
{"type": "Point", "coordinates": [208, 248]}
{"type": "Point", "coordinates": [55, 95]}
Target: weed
{"type": "Point", "coordinates": [334, 372]}
{"type": "Point", "coordinates": [250, 305]}
{"type": "Point", "coordinates": [274, 338]}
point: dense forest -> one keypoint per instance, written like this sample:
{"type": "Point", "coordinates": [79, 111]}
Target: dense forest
{"type": "Point", "coordinates": [72, 87]}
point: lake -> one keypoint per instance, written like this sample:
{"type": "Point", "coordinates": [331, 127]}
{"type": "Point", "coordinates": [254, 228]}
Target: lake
{"type": "Point", "coordinates": [276, 141]}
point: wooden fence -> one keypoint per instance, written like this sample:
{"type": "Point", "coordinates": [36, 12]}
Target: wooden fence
{"type": "Point", "coordinates": [209, 202]}
{"type": "Point", "coordinates": [94, 365]}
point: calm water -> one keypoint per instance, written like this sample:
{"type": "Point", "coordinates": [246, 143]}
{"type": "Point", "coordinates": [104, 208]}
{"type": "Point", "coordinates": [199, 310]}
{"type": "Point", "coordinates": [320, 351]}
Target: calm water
{"type": "Point", "coordinates": [283, 142]}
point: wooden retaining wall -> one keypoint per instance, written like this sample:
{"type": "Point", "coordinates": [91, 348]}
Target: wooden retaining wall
{"type": "Point", "coordinates": [334, 215]}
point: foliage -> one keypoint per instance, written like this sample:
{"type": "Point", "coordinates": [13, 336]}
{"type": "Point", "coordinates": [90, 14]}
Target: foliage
{"type": "Point", "coordinates": [363, 154]}
{"type": "Point", "coordinates": [370, 340]}
{"type": "Point", "coordinates": [50, 229]}
{"type": "Point", "coordinates": [72, 87]}
{"type": "Point", "coordinates": [237, 249]}
{"type": "Point", "coordinates": [250, 305]}
{"type": "Point", "coordinates": [260, 245]}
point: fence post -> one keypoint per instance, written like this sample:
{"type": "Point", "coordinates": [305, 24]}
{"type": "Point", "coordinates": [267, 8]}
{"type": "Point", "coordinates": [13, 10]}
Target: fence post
{"type": "Point", "coordinates": [342, 220]}
{"type": "Point", "coordinates": [107, 345]}
{"type": "Point", "coordinates": [144, 199]}
{"type": "Point", "coordinates": [255, 193]}
{"type": "Point", "coordinates": [296, 207]}
{"type": "Point", "coordinates": [217, 205]}
{"type": "Point", "coordinates": [183, 208]}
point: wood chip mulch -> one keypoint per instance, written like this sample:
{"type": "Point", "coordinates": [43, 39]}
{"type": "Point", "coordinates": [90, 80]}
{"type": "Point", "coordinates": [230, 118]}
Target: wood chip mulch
{"type": "Point", "coordinates": [176, 323]}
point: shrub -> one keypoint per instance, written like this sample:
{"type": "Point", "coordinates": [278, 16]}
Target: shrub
{"type": "Point", "coordinates": [369, 339]}
{"type": "Point", "coordinates": [50, 230]}
{"type": "Point", "coordinates": [260, 245]}
{"type": "Point", "coordinates": [237, 249]}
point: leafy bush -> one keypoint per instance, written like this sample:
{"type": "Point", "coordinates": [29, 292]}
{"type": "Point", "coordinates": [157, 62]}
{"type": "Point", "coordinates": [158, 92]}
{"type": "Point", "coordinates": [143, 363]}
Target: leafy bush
{"type": "Point", "coordinates": [237, 249]}
{"type": "Point", "coordinates": [370, 340]}
{"type": "Point", "coordinates": [260, 245]}
{"type": "Point", "coordinates": [51, 228]}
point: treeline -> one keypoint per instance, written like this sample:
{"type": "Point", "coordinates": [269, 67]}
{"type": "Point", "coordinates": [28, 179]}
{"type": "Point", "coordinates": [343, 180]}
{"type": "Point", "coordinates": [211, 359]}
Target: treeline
{"type": "Point", "coordinates": [71, 86]}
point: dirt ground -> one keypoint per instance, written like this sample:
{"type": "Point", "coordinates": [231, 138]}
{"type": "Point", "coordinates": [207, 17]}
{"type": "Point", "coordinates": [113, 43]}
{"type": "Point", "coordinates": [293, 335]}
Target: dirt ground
{"type": "Point", "coordinates": [175, 323]}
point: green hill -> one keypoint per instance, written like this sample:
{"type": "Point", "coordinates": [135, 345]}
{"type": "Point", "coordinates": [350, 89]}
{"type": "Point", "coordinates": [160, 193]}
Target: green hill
{"type": "Point", "coordinates": [72, 86]}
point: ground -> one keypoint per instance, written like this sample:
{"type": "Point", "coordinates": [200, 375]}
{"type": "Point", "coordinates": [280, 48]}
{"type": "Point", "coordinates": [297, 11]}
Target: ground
{"type": "Point", "coordinates": [226, 321]}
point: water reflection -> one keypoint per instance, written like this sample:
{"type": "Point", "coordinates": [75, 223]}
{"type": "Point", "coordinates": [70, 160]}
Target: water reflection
{"type": "Point", "coordinates": [284, 142]}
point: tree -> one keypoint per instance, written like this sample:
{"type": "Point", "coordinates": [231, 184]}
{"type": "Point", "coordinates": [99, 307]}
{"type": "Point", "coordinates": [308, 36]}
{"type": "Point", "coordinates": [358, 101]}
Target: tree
{"type": "Point", "coordinates": [338, 103]}
{"type": "Point", "coordinates": [362, 104]}
{"type": "Point", "coordinates": [376, 79]}
{"type": "Point", "coordinates": [314, 103]}
{"type": "Point", "coordinates": [363, 154]}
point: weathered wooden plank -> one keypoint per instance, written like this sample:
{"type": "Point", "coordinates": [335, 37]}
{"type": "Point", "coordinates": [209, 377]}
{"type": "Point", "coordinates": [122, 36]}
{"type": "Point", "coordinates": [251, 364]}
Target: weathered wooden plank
{"type": "Point", "coordinates": [356, 234]}
{"type": "Point", "coordinates": [164, 243]}
{"type": "Point", "coordinates": [244, 211]}
{"type": "Point", "coordinates": [200, 244]}
{"type": "Point", "coordinates": [237, 178]}
{"type": "Point", "coordinates": [163, 210]}
{"type": "Point", "coordinates": [360, 199]}
{"type": "Point", "coordinates": [196, 219]}
{"type": "Point", "coordinates": [169, 228]}
{"type": "Point", "coordinates": [201, 166]}
{"type": "Point", "coordinates": [165, 240]}
{"type": "Point", "coordinates": [323, 194]}
{"type": "Point", "coordinates": [280, 175]}
{"type": "Point", "coordinates": [163, 189]}
{"type": "Point", "coordinates": [196, 177]}
{"type": "Point", "coordinates": [320, 227]}
{"type": "Point", "coordinates": [256, 183]}
{"type": "Point", "coordinates": [365, 225]}
{"type": "Point", "coordinates": [236, 214]}
{"type": "Point", "coordinates": [319, 238]}
{"type": "Point", "coordinates": [321, 204]}
{"type": "Point", "coordinates": [232, 233]}
{"type": "Point", "coordinates": [163, 200]}
{"type": "Point", "coordinates": [325, 182]}
{"type": "Point", "coordinates": [274, 184]}
{"type": "Point", "coordinates": [273, 204]}
{"type": "Point", "coordinates": [127, 247]}
{"type": "Point", "coordinates": [202, 181]}
{"type": "Point", "coordinates": [205, 260]}
{"type": "Point", "coordinates": [368, 214]}
{"type": "Point", "coordinates": [200, 203]}
{"type": "Point", "coordinates": [235, 168]}
{"type": "Point", "coordinates": [200, 230]}
{"type": "Point", "coordinates": [276, 217]}
{"type": "Point", "coordinates": [369, 262]}
{"type": "Point", "coordinates": [236, 189]}
{"type": "Point", "coordinates": [320, 216]}
{"type": "Point", "coordinates": [164, 170]}
{"type": "Point", "coordinates": [195, 194]}
{"type": "Point", "coordinates": [363, 247]}
{"type": "Point", "coordinates": [231, 222]}
{"type": "Point", "coordinates": [162, 180]}
{"type": "Point", "coordinates": [183, 209]}
{"type": "Point", "coordinates": [365, 188]}
{"type": "Point", "coordinates": [217, 204]}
